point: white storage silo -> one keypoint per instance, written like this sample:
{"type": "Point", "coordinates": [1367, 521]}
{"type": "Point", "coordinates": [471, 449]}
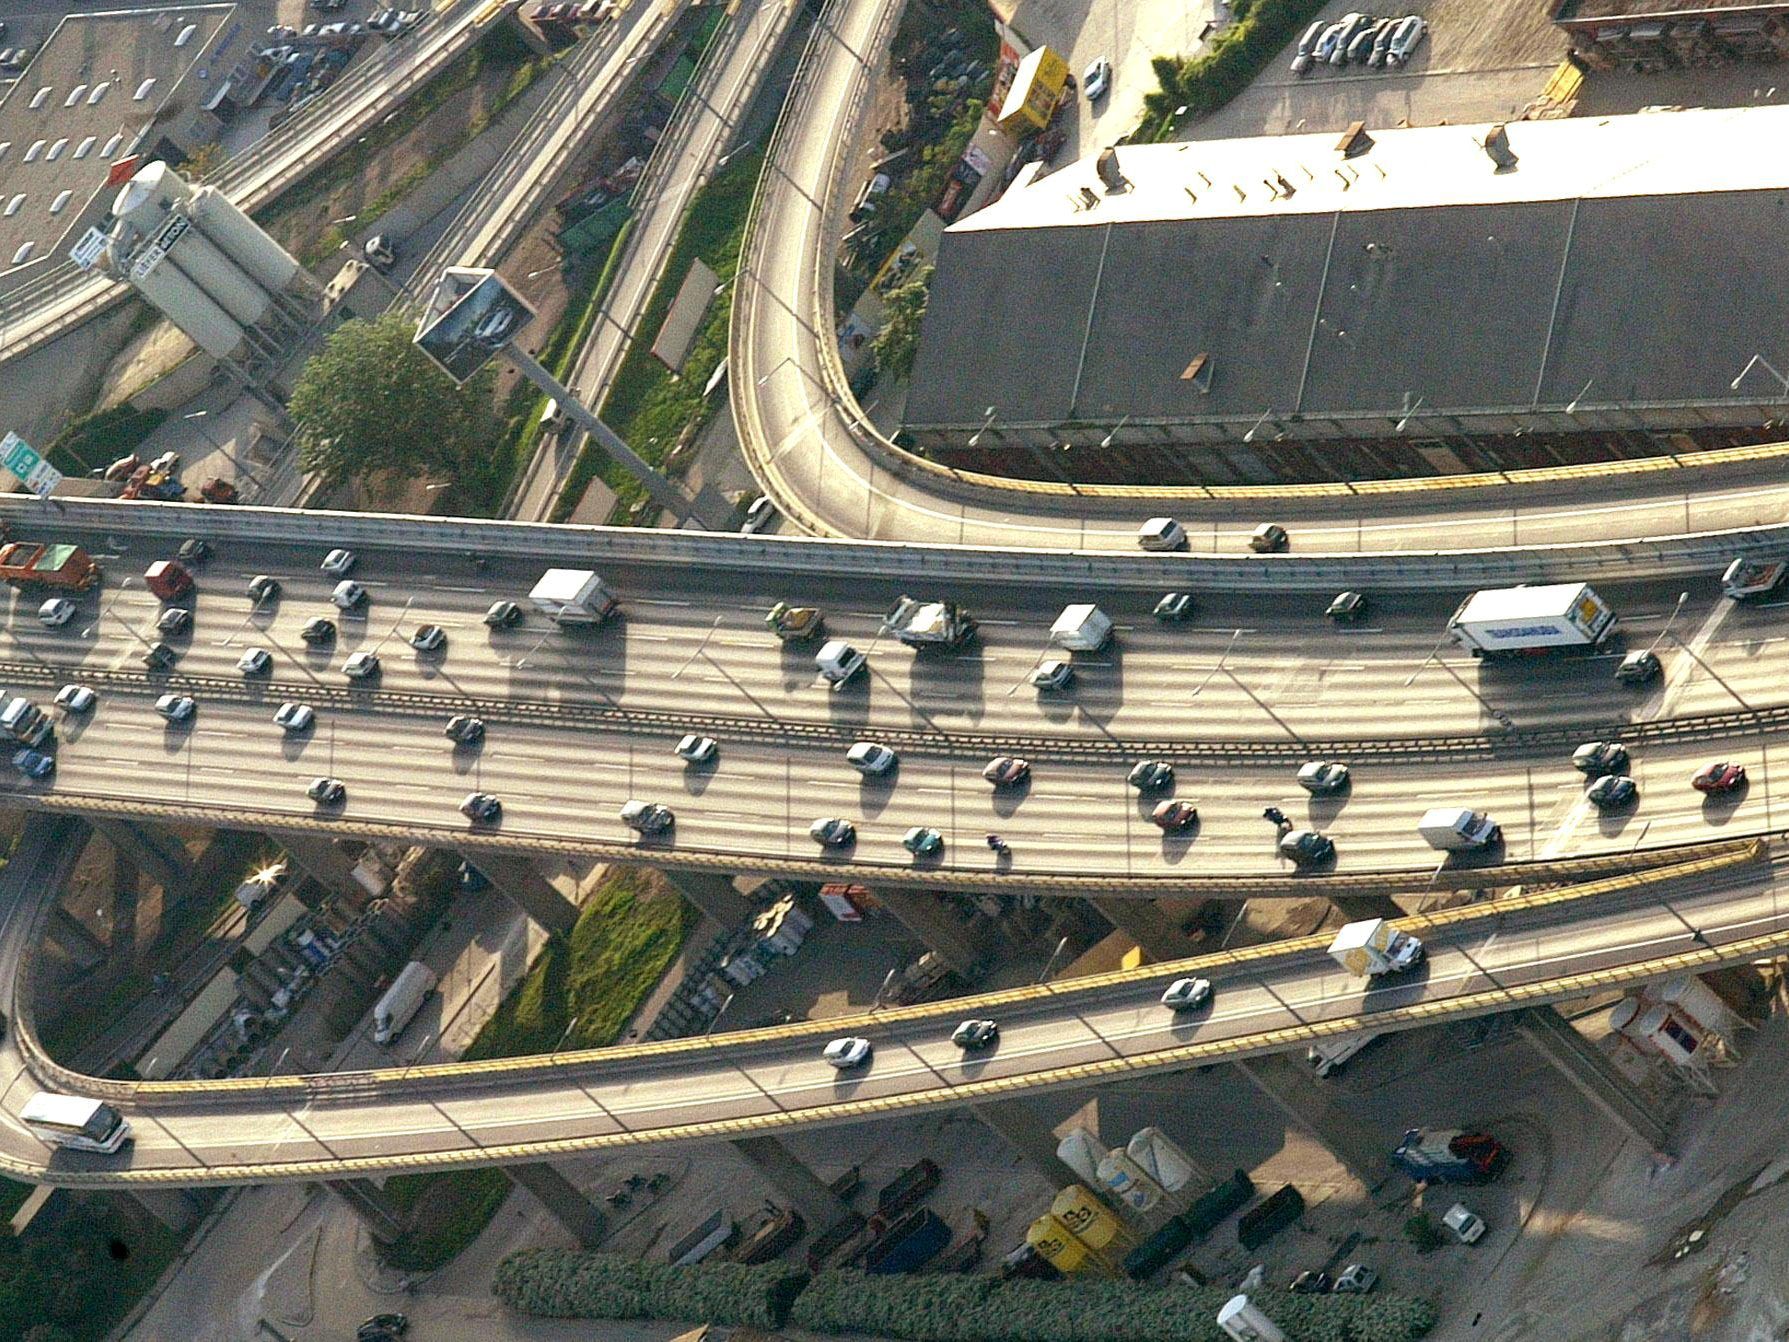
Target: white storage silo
{"type": "Point", "coordinates": [148, 196]}
{"type": "Point", "coordinates": [188, 307]}
{"type": "Point", "coordinates": [1082, 1152]}
{"type": "Point", "coordinates": [1241, 1320]}
{"type": "Point", "coordinates": [202, 263]}
{"type": "Point", "coordinates": [1623, 1018]}
{"type": "Point", "coordinates": [244, 242]}
{"type": "Point", "coordinates": [1124, 1177]}
{"type": "Point", "coordinates": [1158, 1157]}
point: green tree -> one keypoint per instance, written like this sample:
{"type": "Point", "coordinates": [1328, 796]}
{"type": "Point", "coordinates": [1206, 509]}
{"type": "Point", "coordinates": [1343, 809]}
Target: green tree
{"type": "Point", "coordinates": [202, 162]}
{"type": "Point", "coordinates": [370, 401]}
{"type": "Point", "coordinates": [897, 344]}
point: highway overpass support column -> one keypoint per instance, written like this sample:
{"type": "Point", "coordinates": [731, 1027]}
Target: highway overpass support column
{"type": "Point", "coordinates": [807, 1192]}
{"type": "Point", "coordinates": [581, 1218]}
{"type": "Point", "coordinates": [377, 1212]}
{"type": "Point", "coordinates": [1142, 922]}
{"type": "Point", "coordinates": [712, 893]}
{"type": "Point", "coordinates": [1296, 1092]}
{"type": "Point", "coordinates": [1015, 1124]}
{"type": "Point", "coordinates": [161, 856]}
{"type": "Point", "coordinates": [925, 915]}
{"type": "Point", "coordinates": [1590, 1071]}
{"type": "Point", "coordinates": [527, 885]}
{"type": "Point", "coordinates": [325, 863]}
{"type": "Point", "coordinates": [173, 1207]}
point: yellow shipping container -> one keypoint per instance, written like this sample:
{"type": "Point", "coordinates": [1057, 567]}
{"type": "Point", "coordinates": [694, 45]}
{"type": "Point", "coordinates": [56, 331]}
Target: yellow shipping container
{"type": "Point", "coordinates": [1036, 89]}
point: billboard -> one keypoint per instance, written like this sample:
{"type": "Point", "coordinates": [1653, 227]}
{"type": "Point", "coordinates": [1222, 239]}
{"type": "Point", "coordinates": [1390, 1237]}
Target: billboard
{"type": "Point", "coordinates": [471, 316]}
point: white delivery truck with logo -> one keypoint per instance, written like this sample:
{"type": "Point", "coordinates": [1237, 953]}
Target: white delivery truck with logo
{"type": "Point", "coordinates": [1374, 946]}
{"type": "Point", "coordinates": [392, 1012]}
{"type": "Point", "coordinates": [573, 596]}
{"type": "Point", "coordinates": [1511, 621]}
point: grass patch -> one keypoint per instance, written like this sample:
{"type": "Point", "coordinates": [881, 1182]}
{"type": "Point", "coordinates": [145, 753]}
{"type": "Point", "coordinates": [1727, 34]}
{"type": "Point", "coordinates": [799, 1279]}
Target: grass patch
{"type": "Point", "coordinates": [80, 1270]}
{"type": "Point", "coordinates": [650, 407]}
{"type": "Point", "coordinates": [580, 993]}
{"type": "Point", "coordinates": [1225, 68]}
{"type": "Point", "coordinates": [97, 440]}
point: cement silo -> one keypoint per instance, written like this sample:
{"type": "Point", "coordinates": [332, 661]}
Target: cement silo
{"type": "Point", "coordinates": [1161, 1159]}
{"type": "Point", "coordinates": [188, 307]}
{"type": "Point", "coordinates": [1082, 1152]}
{"type": "Point", "coordinates": [147, 197]}
{"type": "Point", "coordinates": [220, 277]}
{"type": "Point", "coordinates": [1126, 1179]}
{"type": "Point", "coordinates": [243, 241]}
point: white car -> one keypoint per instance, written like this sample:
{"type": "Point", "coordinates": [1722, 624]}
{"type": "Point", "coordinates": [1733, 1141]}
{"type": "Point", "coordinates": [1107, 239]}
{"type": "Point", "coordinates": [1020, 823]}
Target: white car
{"type": "Point", "coordinates": [844, 1054]}
{"type": "Point", "coordinates": [1161, 533]}
{"type": "Point", "coordinates": [1468, 1228]}
{"type": "Point", "coordinates": [1052, 675]}
{"type": "Point", "coordinates": [1405, 39]}
{"type": "Point", "coordinates": [695, 749]}
{"type": "Point", "coordinates": [1187, 994]}
{"type": "Point", "coordinates": [348, 595]}
{"type": "Point", "coordinates": [758, 516]}
{"type": "Point", "coordinates": [871, 758]}
{"type": "Point", "coordinates": [58, 610]}
{"type": "Point", "coordinates": [1306, 45]}
{"type": "Point", "coordinates": [176, 707]}
{"type": "Point", "coordinates": [294, 718]}
{"type": "Point", "coordinates": [1097, 80]}
{"type": "Point", "coordinates": [74, 698]}
{"type": "Point", "coordinates": [339, 563]}
{"type": "Point", "coordinates": [255, 662]}
{"type": "Point", "coordinates": [647, 817]}
{"type": "Point", "coordinates": [361, 666]}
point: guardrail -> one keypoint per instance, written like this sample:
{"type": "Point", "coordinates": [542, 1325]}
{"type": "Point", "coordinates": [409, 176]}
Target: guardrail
{"type": "Point", "coordinates": [348, 1087]}
{"type": "Point", "coordinates": [792, 557]}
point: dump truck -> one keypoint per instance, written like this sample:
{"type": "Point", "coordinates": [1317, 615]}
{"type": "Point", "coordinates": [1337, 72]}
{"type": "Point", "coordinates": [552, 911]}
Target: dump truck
{"type": "Point", "coordinates": [1749, 579]}
{"type": "Point", "coordinates": [1452, 1156]}
{"type": "Point", "coordinates": [1081, 628]}
{"type": "Point", "coordinates": [67, 568]}
{"type": "Point", "coordinates": [573, 596]}
{"type": "Point", "coordinates": [1512, 621]}
{"type": "Point", "coordinates": [1374, 946]}
{"type": "Point", "coordinates": [780, 1228]}
{"type": "Point", "coordinates": [929, 626]}
{"type": "Point", "coordinates": [792, 624]}
{"type": "Point", "coordinates": [168, 579]}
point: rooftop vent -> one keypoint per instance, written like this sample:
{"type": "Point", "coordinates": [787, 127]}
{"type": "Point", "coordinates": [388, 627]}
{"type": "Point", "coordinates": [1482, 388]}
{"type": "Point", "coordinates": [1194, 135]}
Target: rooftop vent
{"type": "Point", "coordinates": [1497, 146]}
{"type": "Point", "coordinates": [61, 202]}
{"type": "Point", "coordinates": [1355, 141]}
{"type": "Point", "coordinates": [143, 90]}
{"type": "Point", "coordinates": [23, 254]}
{"type": "Point", "coordinates": [186, 34]}
{"type": "Point", "coordinates": [1198, 372]}
{"type": "Point", "coordinates": [99, 91]}
{"type": "Point", "coordinates": [74, 95]}
{"type": "Point", "coordinates": [1109, 171]}
{"type": "Point", "coordinates": [37, 99]}
{"type": "Point", "coordinates": [85, 147]}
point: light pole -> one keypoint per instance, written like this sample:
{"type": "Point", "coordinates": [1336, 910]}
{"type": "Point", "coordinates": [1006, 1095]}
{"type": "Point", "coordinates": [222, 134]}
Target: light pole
{"type": "Point", "coordinates": [1107, 440]}
{"type": "Point", "coordinates": [1669, 621]}
{"type": "Point", "coordinates": [1758, 360]}
{"type": "Point", "coordinates": [1255, 428]}
{"type": "Point", "coordinates": [975, 437]}
{"type": "Point", "coordinates": [1410, 409]}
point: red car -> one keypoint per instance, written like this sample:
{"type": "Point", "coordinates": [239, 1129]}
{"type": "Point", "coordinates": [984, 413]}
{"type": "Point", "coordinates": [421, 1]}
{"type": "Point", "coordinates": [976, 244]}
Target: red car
{"type": "Point", "coordinates": [1006, 771]}
{"type": "Point", "coordinates": [1719, 777]}
{"type": "Point", "coordinates": [1174, 814]}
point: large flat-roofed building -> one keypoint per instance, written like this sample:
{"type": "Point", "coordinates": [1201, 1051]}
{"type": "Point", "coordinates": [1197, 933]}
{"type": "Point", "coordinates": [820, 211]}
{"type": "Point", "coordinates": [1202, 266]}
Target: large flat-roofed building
{"type": "Point", "coordinates": [1292, 306]}
{"type": "Point", "coordinates": [104, 86]}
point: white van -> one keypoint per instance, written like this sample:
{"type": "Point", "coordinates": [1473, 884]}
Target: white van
{"type": "Point", "coordinates": [1161, 533]}
{"type": "Point", "coordinates": [76, 1123]}
{"type": "Point", "coordinates": [393, 1011]}
{"type": "Point", "coordinates": [1453, 829]}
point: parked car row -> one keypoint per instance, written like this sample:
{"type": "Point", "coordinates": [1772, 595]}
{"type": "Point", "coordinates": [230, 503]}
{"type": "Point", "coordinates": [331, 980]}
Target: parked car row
{"type": "Point", "coordinates": [1360, 39]}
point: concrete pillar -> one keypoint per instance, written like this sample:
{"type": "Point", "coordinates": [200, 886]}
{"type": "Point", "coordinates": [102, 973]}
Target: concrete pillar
{"type": "Point", "coordinates": [72, 935]}
{"type": "Point", "coordinates": [712, 893]}
{"type": "Point", "coordinates": [323, 860]}
{"type": "Point", "coordinates": [1015, 1124]}
{"type": "Point", "coordinates": [1142, 922]}
{"type": "Point", "coordinates": [173, 1207]}
{"type": "Point", "coordinates": [924, 915]}
{"type": "Point", "coordinates": [377, 1212]}
{"type": "Point", "coordinates": [525, 884]}
{"type": "Point", "coordinates": [1357, 907]}
{"type": "Point", "coordinates": [566, 1203]}
{"type": "Point", "coordinates": [160, 856]}
{"type": "Point", "coordinates": [806, 1191]}
{"type": "Point", "coordinates": [1316, 1108]}
{"type": "Point", "coordinates": [1590, 1071]}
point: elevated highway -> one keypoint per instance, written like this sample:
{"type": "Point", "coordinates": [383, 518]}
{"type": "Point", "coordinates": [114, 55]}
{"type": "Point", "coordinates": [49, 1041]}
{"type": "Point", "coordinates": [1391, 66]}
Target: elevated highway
{"type": "Point", "coordinates": [833, 473]}
{"type": "Point", "coordinates": [580, 721]}
{"type": "Point", "coordinates": [1482, 958]}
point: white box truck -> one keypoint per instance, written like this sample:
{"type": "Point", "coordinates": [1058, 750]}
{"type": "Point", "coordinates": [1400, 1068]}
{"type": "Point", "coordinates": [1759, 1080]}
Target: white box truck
{"type": "Point", "coordinates": [573, 596]}
{"type": "Point", "coordinates": [1081, 628]}
{"type": "Point", "coordinates": [1375, 946]}
{"type": "Point", "coordinates": [1509, 621]}
{"type": "Point", "coordinates": [1455, 829]}
{"type": "Point", "coordinates": [393, 1011]}
{"type": "Point", "coordinates": [1328, 1055]}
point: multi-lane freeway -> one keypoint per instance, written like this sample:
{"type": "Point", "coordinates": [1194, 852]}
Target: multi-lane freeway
{"type": "Point", "coordinates": [579, 721]}
{"type": "Point", "coordinates": [1078, 1032]}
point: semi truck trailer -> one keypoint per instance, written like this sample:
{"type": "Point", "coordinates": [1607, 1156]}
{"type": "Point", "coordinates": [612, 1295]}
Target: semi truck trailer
{"type": "Point", "coordinates": [1512, 621]}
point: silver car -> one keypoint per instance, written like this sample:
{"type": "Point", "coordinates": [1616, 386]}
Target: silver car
{"type": "Point", "coordinates": [1307, 45]}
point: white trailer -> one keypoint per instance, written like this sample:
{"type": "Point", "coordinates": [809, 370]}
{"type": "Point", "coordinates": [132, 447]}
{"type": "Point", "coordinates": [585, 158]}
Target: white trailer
{"type": "Point", "coordinates": [1328, 1055]}
{"type": "Point", "coordinates": [1081, 628]}
{"type": "Point", "coordinates": [573, 596]}
{"type": "Point", "coordinates": [393, 1011]}
{"type": "Point", "coordinates": [1507, 621]}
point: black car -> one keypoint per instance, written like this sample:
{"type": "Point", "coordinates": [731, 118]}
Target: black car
{"type": "Point", "coordinates": [263, 589]}
{"type": "Point", "coordinates": [159, 657]}
{"type": "Point", "coordinates": [972, 1036]}
{"type": "Point", "coordinates": [503, 614]}
{"type": "Point", "coordinates": [465, 729]}
{"type": "Point", "coordinates": [383, 1326]}
{"type": "Point", "coordinates": [1311, 1283]}
{"type": "Point", "coordinates": [174, 621]}
{"type": "Point", "coordinates": [1306, 847]}
{"type": "Point", "coordinates": [319, 633]}
{"type": "Point", "coordinates": [194, 551]}
{"type": "Point", "coordinates": [1175, 606]}
{"type": "Point", "coordinates": [1611, 792]}
{"type": "Point", "coordinates": [1348, 608]}
{"type": "Point", "coordinates": [1151, 775]}
{"type": "Point", "coordinates": [1637, 668]}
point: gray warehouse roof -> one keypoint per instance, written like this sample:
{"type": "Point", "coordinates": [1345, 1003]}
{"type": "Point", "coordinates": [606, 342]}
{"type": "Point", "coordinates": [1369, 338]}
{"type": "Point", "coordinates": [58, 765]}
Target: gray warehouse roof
{"type": "Point", "coordinates": [1628, 260]}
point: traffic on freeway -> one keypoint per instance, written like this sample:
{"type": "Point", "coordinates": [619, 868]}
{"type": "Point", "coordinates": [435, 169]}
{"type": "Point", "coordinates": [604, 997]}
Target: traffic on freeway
{"type": "Point", "coordinates": [1478, 958]}
{"type": "Point", "coordinates": [425, 694]}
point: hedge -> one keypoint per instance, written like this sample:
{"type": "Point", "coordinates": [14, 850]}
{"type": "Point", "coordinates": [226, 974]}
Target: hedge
{"type": "Point", "coordinates": [564, 1283]}
{"type": "Point", "coordinates": [1225, 68]}
{"type": "Point", "coordinates": [984, 1309]}
{"type": "Point", "coordinates": [569, 1284]}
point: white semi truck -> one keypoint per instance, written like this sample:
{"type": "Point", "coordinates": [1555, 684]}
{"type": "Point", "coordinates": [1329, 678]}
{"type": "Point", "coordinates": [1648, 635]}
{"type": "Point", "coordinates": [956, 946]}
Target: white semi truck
{"type": "Point", "coordinates": [1375, 946]}
{"type": "Point", "coordinates": [1510, 621]}
{"type": "Point", "coordinates": [573, 596]}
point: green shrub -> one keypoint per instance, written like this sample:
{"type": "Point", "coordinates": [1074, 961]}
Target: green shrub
{"type": "Point", "coordinates": [1422, 1231]}
{"type": "Point", "coordinates": [568, 1284]}
{"type": "Point", "coordinates": [1230, 61]}
{"type": "Point", "coordinates": [99, 439]}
